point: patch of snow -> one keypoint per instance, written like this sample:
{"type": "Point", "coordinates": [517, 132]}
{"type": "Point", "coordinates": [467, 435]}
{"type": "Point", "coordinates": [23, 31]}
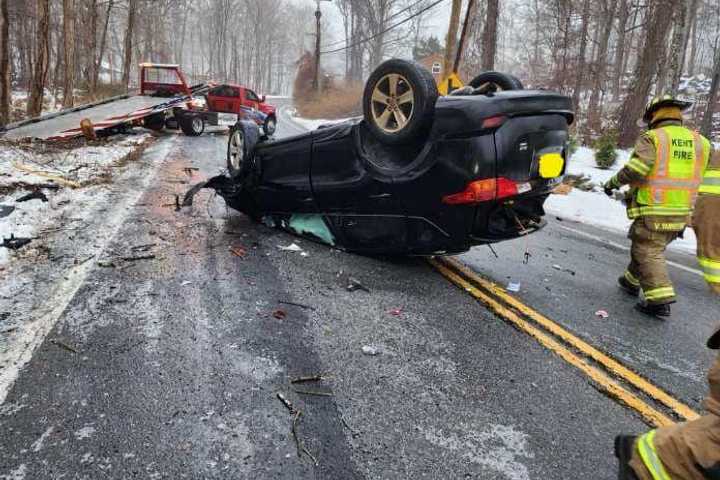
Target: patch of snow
{"type": "Point", "coordinates": [499, 448]}
{"type": "Point", "coordinates": [16, 474]}
{"type": "Point", "coordinates": [314, 124]}
{"type": "Point", "coordinates": [38, 444]}
{"type": "Point", "coordinates": [85, 432]}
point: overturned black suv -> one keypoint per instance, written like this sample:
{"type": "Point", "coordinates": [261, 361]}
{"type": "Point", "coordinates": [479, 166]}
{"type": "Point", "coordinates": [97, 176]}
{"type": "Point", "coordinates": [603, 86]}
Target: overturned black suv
{"type": "Point", "coordinates": [418, 175]}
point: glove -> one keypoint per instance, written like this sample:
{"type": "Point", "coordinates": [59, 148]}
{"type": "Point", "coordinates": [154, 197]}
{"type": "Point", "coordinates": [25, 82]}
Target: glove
{"type": "Point", "coordinates": [608, 188]}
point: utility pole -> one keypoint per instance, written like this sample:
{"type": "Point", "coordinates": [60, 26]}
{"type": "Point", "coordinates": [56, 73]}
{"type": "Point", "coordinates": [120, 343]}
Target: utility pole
{"type": "Point", "coordinates": [318, 15]}
{"type": "Point", "coordinates": [451, 37]}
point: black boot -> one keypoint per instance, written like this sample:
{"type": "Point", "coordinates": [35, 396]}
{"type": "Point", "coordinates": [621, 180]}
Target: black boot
{"type": "Point", "coordinates": [654, 310]}
{"type": "Point", "coordinates": [624, 445]}
{"type": "Point", "coordinates": [628, 287]}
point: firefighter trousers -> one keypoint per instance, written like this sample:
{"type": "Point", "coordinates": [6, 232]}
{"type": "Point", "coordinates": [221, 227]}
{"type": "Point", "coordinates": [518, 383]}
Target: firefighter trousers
{"type": "Point", "coordinates": [648, 268]}
{"type": "Point", "coordinates": [685, 451]}
{"type": "Point", "coordinates": [706, 222]}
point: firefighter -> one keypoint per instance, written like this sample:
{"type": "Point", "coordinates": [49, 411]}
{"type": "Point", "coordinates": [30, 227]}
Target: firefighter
{"type": "Point", "coordinates": [706, 222]}
{"type": "Point", "coordinates": [664, 172]}
{"type": "Point", "coordinates": [686, 451]}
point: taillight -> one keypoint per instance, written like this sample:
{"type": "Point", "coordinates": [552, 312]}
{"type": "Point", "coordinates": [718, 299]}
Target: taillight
{"type": "Point", "coordinates": [493, 122]}
{"type": "Point", "coordinates": [483, 191]}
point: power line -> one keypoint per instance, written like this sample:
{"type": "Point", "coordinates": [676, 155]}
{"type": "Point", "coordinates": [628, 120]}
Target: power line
{"type": "Point", "coordinates": [387, 19]}
{"type": "Point", "coordinates": [433, 5]}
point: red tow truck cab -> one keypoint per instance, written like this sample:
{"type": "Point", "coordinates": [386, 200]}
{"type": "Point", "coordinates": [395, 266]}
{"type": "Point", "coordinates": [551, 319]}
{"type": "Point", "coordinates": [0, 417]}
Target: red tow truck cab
{"type": "Point", "coordinates": [232, 98]}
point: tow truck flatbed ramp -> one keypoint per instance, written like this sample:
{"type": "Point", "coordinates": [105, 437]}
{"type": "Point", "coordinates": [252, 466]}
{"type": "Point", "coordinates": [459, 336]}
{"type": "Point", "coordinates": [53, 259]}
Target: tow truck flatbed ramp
{"type": "Point", "coordinates": [104, 115]}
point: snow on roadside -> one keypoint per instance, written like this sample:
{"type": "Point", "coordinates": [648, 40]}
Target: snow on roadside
{"type": "Point", "coordinates": [313, 124]}
{"type": "Point", "coordinates": [28, 167]}
{"type": "Point", "coordinates": [594, 207]}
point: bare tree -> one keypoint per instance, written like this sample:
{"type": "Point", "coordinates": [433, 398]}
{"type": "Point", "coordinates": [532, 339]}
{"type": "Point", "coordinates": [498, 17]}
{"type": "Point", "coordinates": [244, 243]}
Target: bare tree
{"type": "Point", "coordinates": [127, 63]}
{"type": "Point", "coordinates": [677, 47]}
{"type": "Point", "coordinates": [594, 113]}
{"type": "Point", "coordinates": [69, 53]}
{"type": "Point", "coordinates": [707, 123]}
{"type": "Point", "coordinates": [645, 71]}
{"type": "Point", "coordinates": [4, 63]}
{"type": "Point", "coordinates": [42, 59]}
{"type": "Point", "coordinates": [489, 37]}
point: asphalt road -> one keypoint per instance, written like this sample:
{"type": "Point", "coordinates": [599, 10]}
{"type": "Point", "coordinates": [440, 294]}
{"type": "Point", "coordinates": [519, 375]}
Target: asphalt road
{"type": "Point", "coordinates": [169, 367]}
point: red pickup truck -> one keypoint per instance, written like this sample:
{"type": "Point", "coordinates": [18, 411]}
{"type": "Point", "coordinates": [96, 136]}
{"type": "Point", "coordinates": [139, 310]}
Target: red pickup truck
{"type": "Point", "coordinates": [231, 98]}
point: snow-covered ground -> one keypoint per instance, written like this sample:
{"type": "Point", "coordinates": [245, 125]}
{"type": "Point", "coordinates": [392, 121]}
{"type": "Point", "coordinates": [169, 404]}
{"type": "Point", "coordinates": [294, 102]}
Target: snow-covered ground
{"type": "Point", "coordinates": [63, 174]}
{"type": "Point", "coordinates": [313, 124]}
{"type": "Point", "coordinates": [595, 208]}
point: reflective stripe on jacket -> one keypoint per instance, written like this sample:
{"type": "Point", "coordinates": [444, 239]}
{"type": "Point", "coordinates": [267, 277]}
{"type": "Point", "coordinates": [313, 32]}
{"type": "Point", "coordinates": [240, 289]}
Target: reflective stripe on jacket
{"type": "Point", "coordinates": [711, 182]}
{"type": "Point", "coordinates": [648, 453]}
{"type": "Point", "coordinates": [671, 184]}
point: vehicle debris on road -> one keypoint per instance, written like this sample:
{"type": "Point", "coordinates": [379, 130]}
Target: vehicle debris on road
{"type": "Point", "coordinates": [279, 314]}
{"type": "Point", "coordinates": [15, 243]}
{"type": "Point", "coordinates": [602, 314]}
{"type": "Point", "coordinates": [563, 269]}
{"type": "Point", "coordinates": [370, 350]}
{"type": "Point", "coordinates": [36, 194]}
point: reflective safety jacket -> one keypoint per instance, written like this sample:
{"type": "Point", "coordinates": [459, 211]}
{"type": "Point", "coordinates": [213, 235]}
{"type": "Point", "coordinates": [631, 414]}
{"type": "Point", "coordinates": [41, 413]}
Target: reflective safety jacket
{"type": "Point", "coordinates": [665, 172]}
{"type": "Point", "coordinates": [711, 181]}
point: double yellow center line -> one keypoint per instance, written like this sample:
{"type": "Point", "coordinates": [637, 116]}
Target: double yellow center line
{"type": "Point", "coordinates": [606, 372]}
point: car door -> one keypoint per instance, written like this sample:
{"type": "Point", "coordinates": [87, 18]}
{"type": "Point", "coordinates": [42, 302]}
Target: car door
{"type": "Point", "coordinates": [359, 202]}
{"type": "Point", "coordinates": [251, 99]}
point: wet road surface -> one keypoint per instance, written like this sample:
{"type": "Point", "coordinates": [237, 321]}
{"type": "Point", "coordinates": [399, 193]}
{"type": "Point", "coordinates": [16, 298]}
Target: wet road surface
{"type": "Point", "coordinates": [169, 367]}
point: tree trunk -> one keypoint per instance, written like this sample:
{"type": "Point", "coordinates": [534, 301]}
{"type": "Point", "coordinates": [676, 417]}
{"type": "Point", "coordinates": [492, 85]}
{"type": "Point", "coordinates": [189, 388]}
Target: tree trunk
{"type": "Point", "coordinates": [132, 5]}
{"type": "Point", "coordinates": [69, 53]}
{"type": "Point", "coordinates": [646, 68]}
{"type": "Point", "coordinates": [42, 59]}
{"type": "Point", "coordinates": [677, 52]}
{"type": "Point", "coordinates": [594, 123]}
{"type": "Point", "coordinates": [4, 63]}
{"type": "Point", "coordinates": [707, 123]}
{"type": "Point", "coordinates": [693, 38]}
{"type": "Point", "coordinates": [623, 16]}
{"type": "Point", "coordinates": [101, 51]}
{"type": "Point", "coordinates": [580, 74]}
{"type": "Point", "coordinates": [489, 36]}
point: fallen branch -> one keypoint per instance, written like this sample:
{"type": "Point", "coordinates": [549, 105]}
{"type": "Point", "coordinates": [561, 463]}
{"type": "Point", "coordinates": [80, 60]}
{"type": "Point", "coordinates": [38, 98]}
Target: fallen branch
{"type": "Point", "coordinates": [139, 257]}
{"type": "Point", "coordinates": [311, 392]}
{"type": "Point", "coordinates": [306, 307]}
{"type": "Point", "coordinates": [312, 378]}
{"type": "Point", "coordinates": [288, 404]}
{"type": "Point", "coordinates": [64, 345]}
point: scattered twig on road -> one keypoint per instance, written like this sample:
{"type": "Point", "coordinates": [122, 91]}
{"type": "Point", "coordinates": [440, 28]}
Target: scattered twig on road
{"type": "Point", "coordinates": [288, 404]}
{"type": "Point", "coordinates": [353, 432]}
{"type": "Point", "coordinates": [84, 260]}
{"type": "Point", "coordinates": [311, 392]}
{"type": "Point", "coordinates": [238, 251]}
{"type": "Point", "coordinates": [306, 307]}
{"type": "Point", "coordinates": [295, 435]}
{"type": "Point", "coordinates": [311, 378]}
{"type": "Point", "coordinates": [149, 256]}
{"type": "Point", "coordinates": [144, 246]}
{"type": "Point", "coordinates": [64, 345]}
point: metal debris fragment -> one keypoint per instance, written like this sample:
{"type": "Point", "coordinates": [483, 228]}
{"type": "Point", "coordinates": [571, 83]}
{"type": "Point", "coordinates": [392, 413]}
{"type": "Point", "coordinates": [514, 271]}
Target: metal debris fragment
{"type": "Point", "coordinates": [15, 243]}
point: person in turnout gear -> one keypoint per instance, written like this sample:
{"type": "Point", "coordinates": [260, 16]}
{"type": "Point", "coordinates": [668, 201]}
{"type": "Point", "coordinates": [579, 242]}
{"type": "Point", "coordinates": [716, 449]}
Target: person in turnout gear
{"type": "Point", "coordinates": [664, 173]}
{"type": "Point", "coordinates": [685, 451]}
{"type": "Point", "coordinates": [706, 222]}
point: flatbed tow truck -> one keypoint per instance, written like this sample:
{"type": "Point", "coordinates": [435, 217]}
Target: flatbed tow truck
{"type": "Point", "coordinates": [164, 100]}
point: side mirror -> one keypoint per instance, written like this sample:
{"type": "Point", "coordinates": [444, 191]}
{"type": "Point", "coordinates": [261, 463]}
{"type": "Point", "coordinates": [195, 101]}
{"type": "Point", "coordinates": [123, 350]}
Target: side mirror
{"type": "Point", "coordinates": [262, 99]}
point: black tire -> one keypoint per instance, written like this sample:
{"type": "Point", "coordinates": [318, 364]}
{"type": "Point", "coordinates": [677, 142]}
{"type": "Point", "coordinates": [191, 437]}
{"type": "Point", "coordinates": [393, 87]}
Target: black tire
{"type": "Point", "coordinates": [504, 81]}
{"type": "Point", "coordinates": [236, 152]}
{"type": "Point", "coordinates": [270, 125]}
{"type": "Point", "coordinates": [155, 122]}
{"type": "Point", "coordinates": [402, 122]}
{"type": "Point", "coordinates": [192, 125]}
